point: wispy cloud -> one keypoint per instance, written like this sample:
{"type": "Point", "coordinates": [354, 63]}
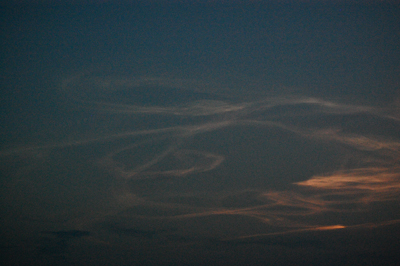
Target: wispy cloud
{"type": "Point", "coordinates": [375, 177]}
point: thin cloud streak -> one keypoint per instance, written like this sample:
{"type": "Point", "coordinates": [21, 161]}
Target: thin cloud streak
{"type": "Point", "coordinates": [376, 181]}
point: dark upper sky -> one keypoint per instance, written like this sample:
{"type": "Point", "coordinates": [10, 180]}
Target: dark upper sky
{"type": "Point", "coordinates": [199, 132]}
{"type": "Point", "coordinates": [323, 48]}
{"type": "Point", "coordinates": [308, 45]}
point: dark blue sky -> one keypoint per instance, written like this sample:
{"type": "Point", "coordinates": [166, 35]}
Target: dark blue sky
{"type": "Point", "coordinates": [352, 47]}
{"type": "Point", "coordinates": [199, 133]}
{"type": "Point", "coordinates": [325, 49]}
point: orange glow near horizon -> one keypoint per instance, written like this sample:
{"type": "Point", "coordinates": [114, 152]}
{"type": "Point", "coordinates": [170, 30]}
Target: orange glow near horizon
{"type": "Point", "coordinates": [331, 227]}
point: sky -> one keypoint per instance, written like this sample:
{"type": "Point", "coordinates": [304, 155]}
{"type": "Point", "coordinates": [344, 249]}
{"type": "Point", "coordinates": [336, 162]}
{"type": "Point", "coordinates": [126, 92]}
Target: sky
{"type": "Point", "coordinates": [200, 133]}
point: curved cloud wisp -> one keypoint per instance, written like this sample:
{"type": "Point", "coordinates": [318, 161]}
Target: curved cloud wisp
{"type": "Point", "coordinates": [183, 147]}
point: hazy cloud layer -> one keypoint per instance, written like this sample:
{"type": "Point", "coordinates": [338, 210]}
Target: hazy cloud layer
{"type": "Point", "coordinates": [168, 166]}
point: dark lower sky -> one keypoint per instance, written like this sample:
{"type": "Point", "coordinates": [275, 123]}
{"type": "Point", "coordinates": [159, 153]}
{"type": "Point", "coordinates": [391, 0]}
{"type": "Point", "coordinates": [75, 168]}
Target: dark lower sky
{"type": "Point", "coordinates": [200, 133]}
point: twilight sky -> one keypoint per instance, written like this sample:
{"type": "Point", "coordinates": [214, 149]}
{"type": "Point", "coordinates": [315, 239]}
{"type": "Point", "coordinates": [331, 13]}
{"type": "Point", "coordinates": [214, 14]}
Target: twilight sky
{"type": "Point", "coordinates": [200, 133]}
